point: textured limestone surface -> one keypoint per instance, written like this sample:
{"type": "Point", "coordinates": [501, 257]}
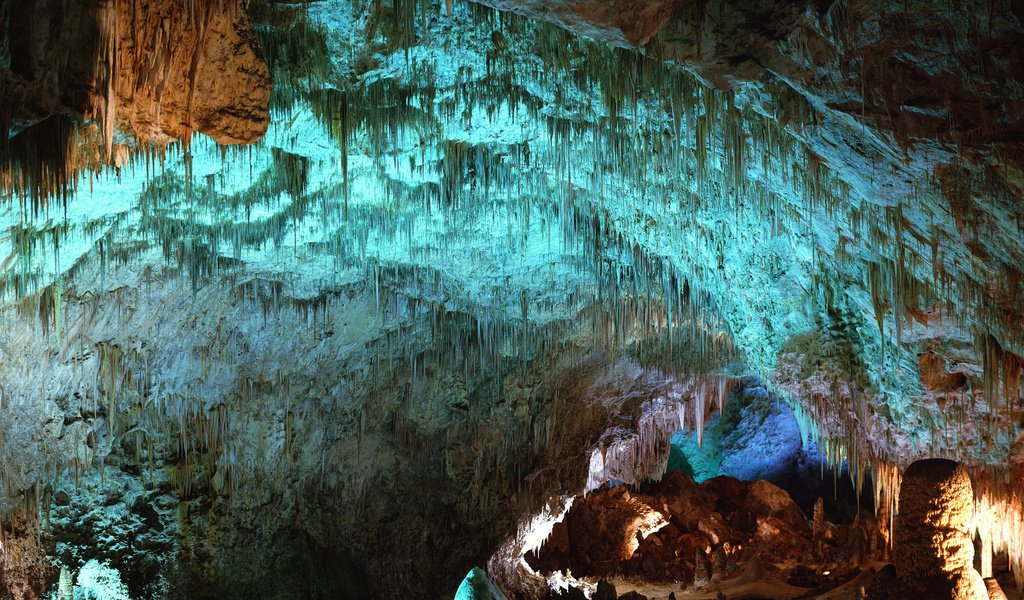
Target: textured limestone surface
{"type": "Point", "coordinates": [934, 549]}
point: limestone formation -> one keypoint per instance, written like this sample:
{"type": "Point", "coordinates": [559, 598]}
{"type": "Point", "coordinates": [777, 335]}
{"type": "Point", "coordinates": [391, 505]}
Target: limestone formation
{"type": "Point", "coordinates": [709, 529]}
{"type": "Point", "coordinates": [702, 570]}
{"type": "Point", "coordinates": [165, 68]}
{"type": "Point", "coordinates": [818, 524]}
{"type": "Point", "coordinates": [719, 563]}
{"type": "Point", "coordinates": [478, 586]}
{"type": "Point", "coordinates": [621, 22]}
{"type": "Point", "coordinates": [24, 569]}
{"type": "Point", "coordinates": [934, 549]}
{"type": "Point", "coordinates": [206, 75]}
{"type": "Point", "coordinates": [152, 71]}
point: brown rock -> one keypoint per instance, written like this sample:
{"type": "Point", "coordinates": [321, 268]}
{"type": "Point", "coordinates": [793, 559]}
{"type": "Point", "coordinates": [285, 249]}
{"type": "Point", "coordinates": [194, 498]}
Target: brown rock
{"type": "Point", "coordinates": [685, 501]}
{"type": "Point", "coordinates": [719, 563]}
{"type": "Point", "coordinates": [24, 569]}
{"type": "Point", "coordinates": [935, 377]}
{"type": "Point", "coordinates": [602, 532]}
{"type": "Point", "coordinates": [164, 67]}
{"type": "Point", "coordinates": [204, 74]}
{"type": "Point", "coordinates": [767, 500]}
{"type": "Point", "coordinates": [716, 529]}
{"type": "Point", "coordinates": [730, 493]}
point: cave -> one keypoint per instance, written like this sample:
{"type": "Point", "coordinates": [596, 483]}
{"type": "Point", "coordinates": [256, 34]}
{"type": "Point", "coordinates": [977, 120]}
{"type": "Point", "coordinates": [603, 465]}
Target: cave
{"type": "Point", "coordinates": [511, 299]}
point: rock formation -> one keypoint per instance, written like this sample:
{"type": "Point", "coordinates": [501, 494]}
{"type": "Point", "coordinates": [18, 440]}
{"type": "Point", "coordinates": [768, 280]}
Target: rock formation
{"type": "Point", "coordinates": [720, 522]}
{"type": "Point", "coordinates": [471, 264]}
{"type": "Point", "coordinates": [995, 592]}
{"type": "Point", "coordinates": [934, 549]}
{"type": "Point", "coordinates": [620, 22]}
{"type": "Point", "coordinates": [478, 586]}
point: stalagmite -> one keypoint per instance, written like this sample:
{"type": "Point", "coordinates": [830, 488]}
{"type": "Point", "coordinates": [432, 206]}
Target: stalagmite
{"type": "Point", "coordinates": [478, 586]}
{"type": "Point", "coordinates": [995, 592]}
{"type": "Point", "coordinates": [933, 550]}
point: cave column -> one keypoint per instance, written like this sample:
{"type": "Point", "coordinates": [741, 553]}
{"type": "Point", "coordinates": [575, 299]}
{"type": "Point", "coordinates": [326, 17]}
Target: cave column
{"type": "Point", "coordinates": [934, 549]}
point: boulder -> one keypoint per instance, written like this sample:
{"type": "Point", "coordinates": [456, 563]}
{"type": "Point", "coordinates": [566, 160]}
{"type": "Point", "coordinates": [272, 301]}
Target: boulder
{"type": "Point", "coordinates": [767, 500]}
{"type": "Point", "coordinates": [685, 501]}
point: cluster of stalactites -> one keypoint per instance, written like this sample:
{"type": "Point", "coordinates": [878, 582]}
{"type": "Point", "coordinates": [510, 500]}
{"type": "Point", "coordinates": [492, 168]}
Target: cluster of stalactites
{"type": "Point", "coordinates": [999, 517]}
{"type": "Point", "coordinates": [45, 163]}
{"type": "Point", "coordinates": [707, 137]}
{"type": "Point", "coordinates": [635, 456]}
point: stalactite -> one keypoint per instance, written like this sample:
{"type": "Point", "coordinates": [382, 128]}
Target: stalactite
{"type": "Point", "coordinates": [999, 515]}
{"type": "Point", "coordinates": [107, 20]}
{"type": "Point", "coordinates": [638, 456]}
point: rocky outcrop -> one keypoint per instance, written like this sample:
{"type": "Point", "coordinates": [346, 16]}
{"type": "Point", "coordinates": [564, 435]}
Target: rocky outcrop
{"type": "Point", "coordinates": [165, 68]}
{"type": "Point", "coordinates": [478, 586]}
{"type": "Point", "coordinates": [183, 67]}
{"type": "Point", "coordinates": [700, 532]}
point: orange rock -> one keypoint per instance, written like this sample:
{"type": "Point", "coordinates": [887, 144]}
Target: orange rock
{"type": "Point", "coordinates": [206, 73]}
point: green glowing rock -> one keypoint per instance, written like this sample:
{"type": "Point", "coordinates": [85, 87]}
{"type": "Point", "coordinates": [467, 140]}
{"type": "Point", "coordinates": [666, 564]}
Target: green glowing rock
{"type": "Point", "coordinates": [478, 586]}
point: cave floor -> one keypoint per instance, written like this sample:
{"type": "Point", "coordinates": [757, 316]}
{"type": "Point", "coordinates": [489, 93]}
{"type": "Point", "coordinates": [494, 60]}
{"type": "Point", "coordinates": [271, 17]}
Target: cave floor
{"type": "Point", "coordinates": [751, 582]}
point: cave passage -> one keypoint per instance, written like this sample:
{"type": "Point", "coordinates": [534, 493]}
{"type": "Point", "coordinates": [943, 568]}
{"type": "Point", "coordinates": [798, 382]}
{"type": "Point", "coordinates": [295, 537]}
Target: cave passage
{"type": "Point", "coordinates": [511, 299]}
